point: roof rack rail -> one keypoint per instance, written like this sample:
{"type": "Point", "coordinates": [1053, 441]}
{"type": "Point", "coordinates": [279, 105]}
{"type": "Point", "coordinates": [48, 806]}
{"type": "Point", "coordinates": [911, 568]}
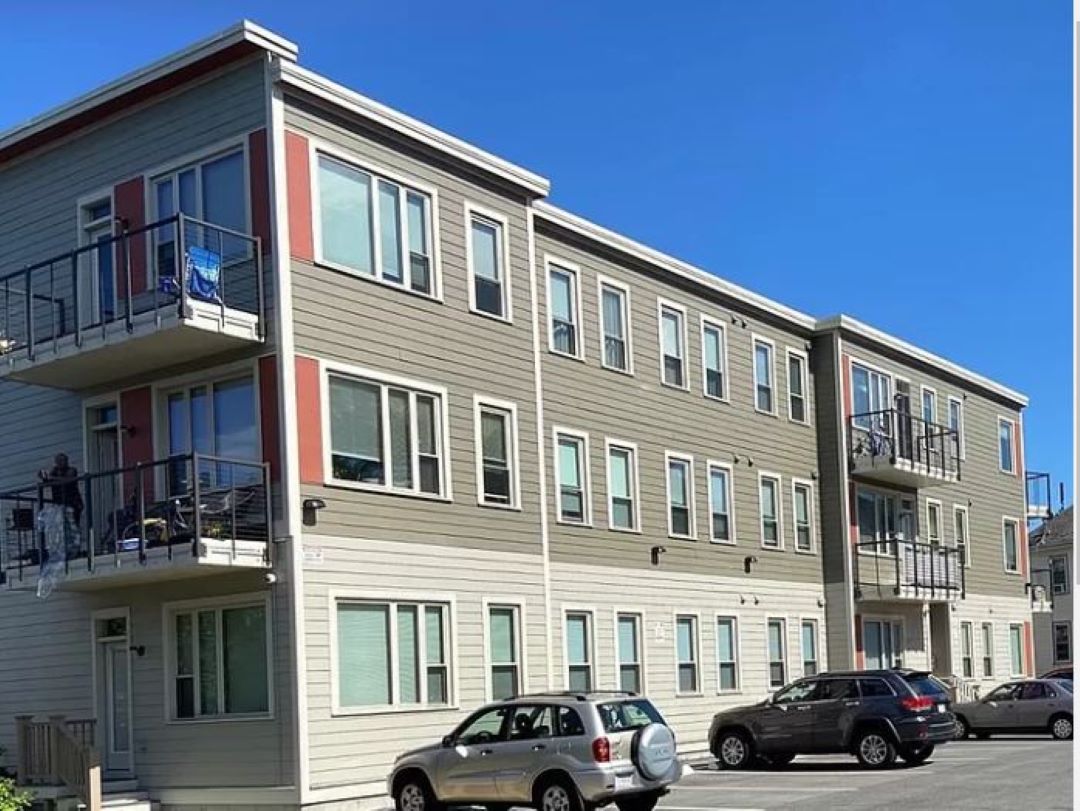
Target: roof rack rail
{"type": "Point", "coordinates": [575, 694]}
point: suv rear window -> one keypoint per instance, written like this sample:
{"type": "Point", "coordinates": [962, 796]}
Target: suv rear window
{"type": "Point", "coordinates": [618, 716]}
{"type": "Point", "coordinates": [926, 685]}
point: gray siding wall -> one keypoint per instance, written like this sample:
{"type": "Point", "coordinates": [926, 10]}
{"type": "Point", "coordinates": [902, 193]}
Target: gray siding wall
{"type": "Point", "coordinates": [584, 396]}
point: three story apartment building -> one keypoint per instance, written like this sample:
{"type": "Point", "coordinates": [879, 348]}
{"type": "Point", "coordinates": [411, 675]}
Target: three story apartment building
{"type": "Point", "coordinates": [366, 433]}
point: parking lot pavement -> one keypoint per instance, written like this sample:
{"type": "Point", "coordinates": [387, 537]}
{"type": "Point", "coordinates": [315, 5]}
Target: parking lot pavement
{"type": "Point", "coordinates": [1005, 773]}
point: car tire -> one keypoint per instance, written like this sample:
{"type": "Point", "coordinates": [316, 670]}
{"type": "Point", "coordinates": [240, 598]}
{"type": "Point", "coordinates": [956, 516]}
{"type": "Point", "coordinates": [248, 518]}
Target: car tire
{"type": "Point", "coordinates": [733, 750]}
{"type": "Point", "coordinates": [1061, 727]}
{"type": "Point", "coordinates": [914, 755]}
{"type": "Point", "coordinates": [412, 792]}
{"type": "Point", "coordinates": [963, 729]}
{"type": "Point", "coordinates": [875, 749]}
{"type": "Point", "coordinates": [557, 794]}
{"type": "Point", "coordinates": [639, 802]}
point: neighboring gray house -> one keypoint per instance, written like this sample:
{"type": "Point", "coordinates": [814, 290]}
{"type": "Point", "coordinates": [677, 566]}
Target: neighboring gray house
{"type": "Point", "coordinates": [1051, 567]}
{"type": "Point", "coordinates": [368, 434]}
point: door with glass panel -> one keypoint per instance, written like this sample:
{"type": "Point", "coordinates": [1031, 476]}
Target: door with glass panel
{"type": "Point", "coordinates": [96, 266]}
{"type": "Point", "coordinates": [883, 644]}
{"type": "Point", "coordinates": [114, 683]}
{"type": "Point", "coordinates": [105, 502]}
{"type": "Point", "coordinates": [215, 419]}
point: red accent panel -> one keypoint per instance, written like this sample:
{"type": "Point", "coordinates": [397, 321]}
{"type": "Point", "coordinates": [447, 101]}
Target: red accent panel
{"type": "Point", "coordinates": [137, 436]}
{"type": "Point", "coordinates": [860, 656]}
{"type": "Point", "coordinates": [853, 517]}
{"type": "Point", "coordinates": [1029, 650]}
{"type": "Point", "coordinates": [130, 202]}
{"type": "Point", "coordinates": [259, 171]}
{"type": "Point", "coordinates": [309, 419]}
{"type": "Point", "coordinates": [298, 173]}
{"type": "Point", "coordinates": [269, 420]}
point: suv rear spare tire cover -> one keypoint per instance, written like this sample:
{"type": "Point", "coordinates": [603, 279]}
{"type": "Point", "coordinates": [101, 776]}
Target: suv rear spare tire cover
{"type": "Point", "coordinates": [653, 751]}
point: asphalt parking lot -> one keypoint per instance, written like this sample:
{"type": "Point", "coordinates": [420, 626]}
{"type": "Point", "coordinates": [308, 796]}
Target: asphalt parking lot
{"type": "Point", "coordinates": [1008, 772]}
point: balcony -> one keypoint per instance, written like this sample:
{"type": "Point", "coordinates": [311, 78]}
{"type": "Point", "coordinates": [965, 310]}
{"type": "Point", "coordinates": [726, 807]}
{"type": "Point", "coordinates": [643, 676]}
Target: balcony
{"type": "Point", "coordinates": [903, 570]}
{"type": "Point", "coordinates": [183, 516]}
{"type": "Point", "coordinates": [169, 292]}
{"type": "Point", "coordinates": [900, 449]}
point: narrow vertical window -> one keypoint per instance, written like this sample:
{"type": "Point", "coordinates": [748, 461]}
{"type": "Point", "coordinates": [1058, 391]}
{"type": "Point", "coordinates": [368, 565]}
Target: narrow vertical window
{"type": "Point", "coordinates": [686, 645]}
{"type": "Point", "coordinates": [769, 500]}
{"type": "Point", "coordinates": [929, 407]}
{"type": "Point", "coordinates": [803, 509]}
{"type": "Point", "coordinates": [622, 487]}
{"type": "Point", "coordinates": [1016, 649]}
{"type": "Point", "coordinates": [497, 446]}
{"type": "Point", "coordinates": [563, 305]}
{"type": "Point", "coordinates": [987, 650]}
{"type": "Point", "coordinates": [1006, 452]}
{"type": "Point", "coordinates": [810, 647]}
{"type": "Point", "coordinates": [1010, 539]}
{"type": "Point", "coordinates": [721, 520]}
{"type": "Point", "coordinates": [777, 653]}
{"type": "Point", "coordinates": [1059, 574]}
{"type": "Point", "coordinates": [797, 387]}
{"type": "Point", "coordinates": [933, 523]}
{"type": "Point", "coordinates": [571, 460]}
{"type": "Point", "coordinates": [673, 345]}
{"type": "Point", "coordinates": [486, 266]}
{"type": "Point", "coordinates": [579, 675]}
{"type": "Point", "coordinates": [1062, 643]}
{"type": "Point", "coordinates": [960, 534]}
{"type": "Point", "coordinates": [764, 400]}
{"type": "Point", "coordinates": [504, 650]}
{"type": "Point", "coordinates": [615, 325]}
{"type": "Point", "coordinates": [967, 661]}
{"type": "Point", "coordinates": [956, 426]}
{"type": "Point", "coordinates": [714, 359]}
{"type": "Point", "coordinates": [438, 667]}
{"type": "Point", "coordinates": [727, 654]}
{"type": "Point", "coordinates": [629, 642]}
{"type": "Point", "coordinates": [680, 486]}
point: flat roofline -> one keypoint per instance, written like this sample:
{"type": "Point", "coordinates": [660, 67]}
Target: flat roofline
{"type": "Point", "coordinates": [321, 87]}
{"type": "Point", "coordinates": [242, 33]}
{"type": "Point", "coordinates": [846, 322]}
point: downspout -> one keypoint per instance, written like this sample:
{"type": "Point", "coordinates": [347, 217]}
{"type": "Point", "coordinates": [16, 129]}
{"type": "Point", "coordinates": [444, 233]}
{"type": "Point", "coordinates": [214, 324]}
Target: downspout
{"type": "Point", "coordinates": [845, 501]}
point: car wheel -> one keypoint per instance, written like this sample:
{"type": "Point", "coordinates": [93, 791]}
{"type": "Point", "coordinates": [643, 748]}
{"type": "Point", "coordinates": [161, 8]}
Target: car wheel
{"type": "Point", "coordinates": [1061, 727]}
{"type": "Point", "coordinates": [558, 795]}
{"type": "Point", "coordinates": [874, 749]}
{"type": "Point", "coordinates": [733, 750]}
{"type": "Point", "coordinates": [639, 802]}
{"type": "Point", "coordinates": [962, 730]}
{"type": "Point", "coordinates": [915, 755]}
{"type": "Point", "coordinates": [413, 793]}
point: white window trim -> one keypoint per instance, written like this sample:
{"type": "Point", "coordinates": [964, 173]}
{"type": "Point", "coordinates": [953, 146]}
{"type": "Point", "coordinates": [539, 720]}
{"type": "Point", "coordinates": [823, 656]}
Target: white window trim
{"type": "Point", "coordinates": [805, 358]}
{"type": "Point", "coordinates": [935, 503]}
{"type": "Point", "coordinates": [871, 369]}
{"type": "Point", "coordinates": [1012, 445]}
{"type": "Point", "coordinates": [756, 339]}
{"type": "Point", "coordinates": [698, 687]}
{"type": "Point", "coordinates": [168, 642]}
{"type": "Point", "coordinates": [736, 619]}
{"type": "Point", "coordinates": [1068, 574]}
{"type": "Point", "coordinates": [573, 270]}
{"type": "Point", "coordinates": [893, 621]}
{"type": "Point", "coordinates": [318, 147]}
{"type": "Point", "coordinates": [962, 445]}
{"type": "Point", "coordinates": [610, 443]}
{"type": "Point", "coordinates": [725, 393]}
{"type": "Point", "coordinates": [923, 391]}
{"type": "Point", "coordinates": [666, 304]}
{"type": "Point", "coordinates": [762, 475]}
{"type": "Point", "coordinates": [987, 653]}
{"type": "Point", "coordinates": [481, 401]}
{"type": "Point", "coordinates": [811, 504]}
{"type": "Point", "coordinates": [639, 615]}
{"type": "Point", "coordinates": [601, 283]}
{"type": "Point", "coordinates": [818, 646]}
{"type": "Point", "coordinates": [1008, 519]}
{"type": "Point", "coordinates": [594, 669]}
{"type": "Point", "coordinates": [521, 652]}
{"type": "Point", "coordinates": [730, 469]}
{"type": "Point", "coordinates": [784, 657]}
{"type": "Point", "coordinates": [586, 475]}
{"type": "Point", "coordinates": [326, 368]}
{"type": "Point", "coordinates": [960, 508]}
{"type": "Point", "coordinates": [474, 210]}
{"type": "Point", "coordinates": [1053, 641]}
{"type": "Point", "coordinates": [969, 627]}
{"type": "Point", "coordinates": [673, 456]}
{"type": "Point", "coordinates": [1023, 655]}
{"type": "Point", "coordinates": [453, 697]}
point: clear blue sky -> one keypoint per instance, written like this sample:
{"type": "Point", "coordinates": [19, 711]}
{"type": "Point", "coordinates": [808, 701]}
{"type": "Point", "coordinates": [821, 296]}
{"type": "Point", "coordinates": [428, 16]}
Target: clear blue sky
{"type": "Point", "coordinates": [906, 162]}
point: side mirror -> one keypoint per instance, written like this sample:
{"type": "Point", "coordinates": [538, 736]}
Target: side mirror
{"type": "Point", "coordinates": [447, 741]}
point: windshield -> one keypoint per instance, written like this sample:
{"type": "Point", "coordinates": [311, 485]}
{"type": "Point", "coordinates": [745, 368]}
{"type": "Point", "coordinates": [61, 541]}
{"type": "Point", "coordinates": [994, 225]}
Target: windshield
{"type": "Point", "coordinates": [618, 716]}
{"type": "Point", "coordinates": [799, 691]}
{"type": "Point", "coordinates": [926, 685]}
{"type": "Point", "coordinates": [1064, 685]}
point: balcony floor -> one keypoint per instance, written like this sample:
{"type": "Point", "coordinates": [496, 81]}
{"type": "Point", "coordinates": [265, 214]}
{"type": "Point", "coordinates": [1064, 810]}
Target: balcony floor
{"type": "Point", "coordinates": [901, 472]}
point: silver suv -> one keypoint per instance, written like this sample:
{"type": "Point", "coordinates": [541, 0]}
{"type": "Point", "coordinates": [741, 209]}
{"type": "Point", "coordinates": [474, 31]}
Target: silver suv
{"type": "Point", "coordinates": [552, 751]}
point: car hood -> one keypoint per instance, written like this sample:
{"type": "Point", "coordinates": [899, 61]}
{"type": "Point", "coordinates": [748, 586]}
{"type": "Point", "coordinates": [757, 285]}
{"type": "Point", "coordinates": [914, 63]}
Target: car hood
{"type": "Point", "coordinates": [740, 711]}
{"type": "Point", "coordinates": [420, 750]}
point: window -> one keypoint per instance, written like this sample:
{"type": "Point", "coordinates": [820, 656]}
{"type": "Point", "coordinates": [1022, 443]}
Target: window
{"type": "Point", "coordinates": [875, 688]}
{"type": "Point", "coordinates": [988, 650]}
{"type": "Point", "coordinates": [629, 642]}
{"type": "Point", "coordinates": [485, 727]}
{"type": "Point", "coordinates": [680, 493]}
{"type": "Point", "coordinates": [1059, 574]}
{"type": "Point", "coordinates": [883, 644]}
{"type": "Point", "coordinates": [933, 522]}
{"type": "Point", "coordinates": [803, 510]}
{"type": "Point", "coordinates": [392, 654]}
{"type": "Point", "coordinates": [956, 423]}
{"type": "Point", "coordinates": [615, 353]}
{"type": "Point", "coordinates": [504, 646]}
{"type": "Point", "coordinates": [871, 399]}
{"type": "Point", "coordinates": [769, 500]}
{"type": "Point", "coordinates": [572, 477]}
{"type": "Point", "coordinates": [1010, 535]}
{"type": "Point", "coordinates": [1006, 451]}
{"type": "Point", "coordinates": [489, 292]}
{"type": "Point", "coordinates": [929, 407]}
{"type": "Point", "coordinates": [1016, 649]}
{"type": "Point", "coordinates": [960, 534]}
{"type": "Point", "coordinates": [1062, 642]}
{"type": "Point", "coordinates": [686, 644]}
{"type": "Point", "coordinates": [777, 655]}
{"type": "Point", "coordinates": [97, 267]}
{"type": "Point", "coordinates": [622, 487]}
{"type": "Point", "coordinates": [881, 517]}
{"type": "Point", "coordinates": [798, 387]}
{"type": "Point", "coordinates": [763, 376]}
{"type": "Point", "coordinates": [727, 654]}
{"type": "Point", "coordinates": [721, 515]}
{"type": "Point", "coordinates": [579, 643]}
{"type": "Point", "coordinates": [673, 345]}
{"type": "Point", "coordinates": [496, 439]}
{"type": "Point", "coordinates": [810, 647]}
{"type": "Point", "coordinates": [373, 226]}
{"type": "Point", "coordinates": [714, 359]}
{"type": "Point", "coordinates": [564, 304]}
{"type": "Point", "coordinates": [385, 436]}
{"type": "Point", "coordinates": [967, 661]}
{"type": "Point", "coordinates": [220, 661]}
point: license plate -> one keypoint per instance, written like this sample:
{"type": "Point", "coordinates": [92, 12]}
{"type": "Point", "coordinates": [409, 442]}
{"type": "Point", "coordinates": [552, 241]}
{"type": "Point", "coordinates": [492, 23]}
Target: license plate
{"type": "Point", "coordinates": [623, 783]}
{"type": "Point", "coordinates": [941, 708]}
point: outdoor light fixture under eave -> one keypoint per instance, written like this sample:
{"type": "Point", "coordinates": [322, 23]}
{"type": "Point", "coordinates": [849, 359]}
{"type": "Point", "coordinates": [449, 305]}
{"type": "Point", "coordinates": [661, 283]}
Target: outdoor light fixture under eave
{"type": "Point", "coordinates": [311, 510]}
{"type": "Point", "coordinates": [748, 563]}
{"type": "Point", "coordinates": [655, 554]}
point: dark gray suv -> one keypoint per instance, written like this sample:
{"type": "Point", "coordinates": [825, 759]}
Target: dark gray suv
{"type": "Point", "coordinates": [872, 714]}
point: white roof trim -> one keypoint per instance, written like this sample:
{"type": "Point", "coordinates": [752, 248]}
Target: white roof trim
{"type": "Point", "coordinates": [857, 327]}
{"type": "Point", "coordinates": [244, 31]}
{"type": "Point", "coordinates": [324, 88]}
{"type": "Point", "coordinates": [670, 264]}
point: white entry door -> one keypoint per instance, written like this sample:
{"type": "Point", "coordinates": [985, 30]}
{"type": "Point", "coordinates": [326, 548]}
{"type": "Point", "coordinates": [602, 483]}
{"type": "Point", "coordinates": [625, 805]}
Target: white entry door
{"type": "Point", "coordinates": [114, 726]}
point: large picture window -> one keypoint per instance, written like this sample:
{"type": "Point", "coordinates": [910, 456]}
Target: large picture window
{"type": "Point", "coordinates": [872, 397]}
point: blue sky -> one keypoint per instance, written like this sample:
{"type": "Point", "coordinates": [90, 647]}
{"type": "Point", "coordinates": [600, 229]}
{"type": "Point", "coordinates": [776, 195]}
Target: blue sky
{"type": "Point", "coordinates": [904, 162]}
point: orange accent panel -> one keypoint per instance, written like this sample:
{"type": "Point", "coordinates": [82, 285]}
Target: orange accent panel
{"type": "Point", "coordinates": [1029, 650]}
{"type": "Point", "coordinates": [129, 200]}
{"type": "Point", "coordinates": [298, 173]}
{"type": "Point", "coordinates": [269, 415]}
{"type": "Point", "coordinates": [860, 655]}
{"type": "Point", "coordinates": [259, 172]}
{"type": "Point", "coordinates": [309, 419]}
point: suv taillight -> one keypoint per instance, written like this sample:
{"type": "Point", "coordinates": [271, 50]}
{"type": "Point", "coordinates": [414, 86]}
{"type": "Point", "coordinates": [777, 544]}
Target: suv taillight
{"type": "Point", "coordinates": [916, 703]}
{"type": "Point", "coordinates": [601, 750]}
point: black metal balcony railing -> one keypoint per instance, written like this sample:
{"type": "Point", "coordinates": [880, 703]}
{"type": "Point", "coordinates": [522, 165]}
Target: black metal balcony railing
{"type": "Point", "coordinates": [93, 287]}
{"type": "Point", "coordinates": [174, 504]}
{"type": "Point", "coordinates": [924, 569]}
{"type": "Point", "coordinates": [901, 437]}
